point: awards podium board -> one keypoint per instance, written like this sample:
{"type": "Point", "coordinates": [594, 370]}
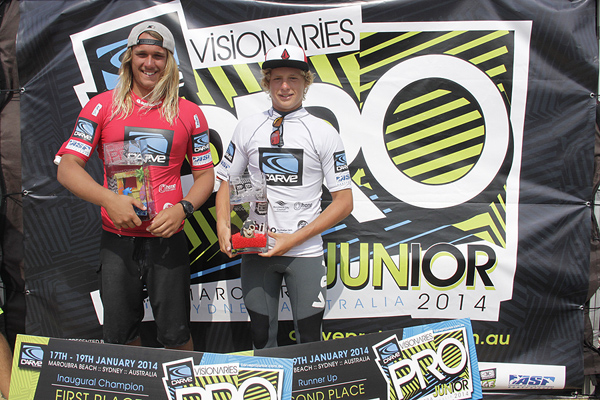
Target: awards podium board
{"type": "Point", "coordinates": [47, 368]}
{"type": "Point", "coordinates": [436, 361]}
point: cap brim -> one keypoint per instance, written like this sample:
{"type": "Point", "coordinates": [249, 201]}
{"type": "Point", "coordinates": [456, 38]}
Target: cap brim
{"type": "Point", "coordinates": [285, 63]}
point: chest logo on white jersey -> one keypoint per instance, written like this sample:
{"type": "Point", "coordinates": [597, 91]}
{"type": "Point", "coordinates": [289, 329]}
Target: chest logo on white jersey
{"type": "Point", "coordinates": [282, 167]}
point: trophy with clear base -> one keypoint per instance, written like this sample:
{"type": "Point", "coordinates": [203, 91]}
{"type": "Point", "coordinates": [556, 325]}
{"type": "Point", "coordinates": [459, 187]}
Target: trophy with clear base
{"type": "Point", "coordinates": [127, 173]}
{"type": "Point", "coordinates": [248, 217]}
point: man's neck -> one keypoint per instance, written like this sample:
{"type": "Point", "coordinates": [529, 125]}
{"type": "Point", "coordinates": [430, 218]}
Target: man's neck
{"type": "Point", "coordinates": [284, 113]}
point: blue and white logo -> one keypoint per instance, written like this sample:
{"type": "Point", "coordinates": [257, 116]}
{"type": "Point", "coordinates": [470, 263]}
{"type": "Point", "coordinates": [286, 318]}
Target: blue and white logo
{"type": "Point", "coordinates": [79, 147]}
{"type": "Point", "coordinates": [230, 152]}
{"type": "Point", "coordinates": [282, 167]}
{"type": "Point", "coordinates": [201, 143]}
{"type": "Point", "coordinates": [180, 375]}
{"type": "Point", "coordinates": [85, 130]}
{"type": "Point", "coordinates": [158, 143]}
{"type": "Point", "coordinates": [198, 161]}
{"type": "Point", "coordinates": [530, 381]}
{"type": "Point", "coordinates": [32, 356]}
{"type": "Point", "coordinates": [339, 160]}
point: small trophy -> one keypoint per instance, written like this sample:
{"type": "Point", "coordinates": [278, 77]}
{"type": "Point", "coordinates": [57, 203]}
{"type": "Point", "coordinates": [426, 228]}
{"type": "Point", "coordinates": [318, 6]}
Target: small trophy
{"type": "Point", "coordinates": [127, 173]}
{"type": "Point", "coordinates": [248, 218]}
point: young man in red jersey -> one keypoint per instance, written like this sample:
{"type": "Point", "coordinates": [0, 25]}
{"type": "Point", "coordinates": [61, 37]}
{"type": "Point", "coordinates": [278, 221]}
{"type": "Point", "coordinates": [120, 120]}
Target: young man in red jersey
{"type": "Point", "coordinates": [144, 256]}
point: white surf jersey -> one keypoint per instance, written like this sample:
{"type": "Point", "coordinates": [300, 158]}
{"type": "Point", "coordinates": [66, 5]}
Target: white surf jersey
{"type": "Point", "coordinates": [312, 155]}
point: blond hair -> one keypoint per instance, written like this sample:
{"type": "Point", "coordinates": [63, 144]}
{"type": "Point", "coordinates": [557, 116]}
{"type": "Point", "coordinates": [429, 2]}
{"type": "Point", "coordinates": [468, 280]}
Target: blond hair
{"type": "Point", "coordinates": [166, 89]}
{"type": "Point", "coordinates": [309, 78]}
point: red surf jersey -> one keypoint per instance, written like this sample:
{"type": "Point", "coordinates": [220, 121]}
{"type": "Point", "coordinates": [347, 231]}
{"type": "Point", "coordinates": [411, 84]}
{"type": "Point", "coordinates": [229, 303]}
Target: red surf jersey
{"type": "Point", "coordinates": [188, 136]}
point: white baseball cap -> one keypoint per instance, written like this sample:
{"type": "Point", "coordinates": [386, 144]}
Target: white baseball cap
{"type": "Point", "coordinates": [168, 41]}
{"type": "Point", "coordinates": [286, 55]}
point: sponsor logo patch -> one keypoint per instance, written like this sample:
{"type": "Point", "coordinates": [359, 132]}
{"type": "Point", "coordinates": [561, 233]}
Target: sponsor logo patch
{"type": "Point", "coordinates": [339, 160]}
{"type": "Point", "coordinates": [158, 142]}
{"type": "Point", "coordinates": [31, 356]}
{"type": "Point", "coordinates": [282, 167]}
{"type": "Point", "coordinates": [201, 143]}
{"type": "Point", "coordinates": [201, 160]}
{"type": "Point", "coordinates": [79, 147]}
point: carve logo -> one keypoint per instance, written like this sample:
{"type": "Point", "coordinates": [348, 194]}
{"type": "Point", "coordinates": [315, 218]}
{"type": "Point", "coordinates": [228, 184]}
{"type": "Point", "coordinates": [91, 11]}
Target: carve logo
{"type": "Point", "coordinates": [340, 161]}
{"type": "Point", "coordinates": [201, 143]}
{"type": "Point", "coordinates": [85, 130]}
{"type": "Point", "coordinates": [32, 356]}
{"type": "Point", "coordinates": [158, 143]}
{"type": "Point", "coordinates": [178, 373]}
{"type": "Point", "coordinates": [282, 167]}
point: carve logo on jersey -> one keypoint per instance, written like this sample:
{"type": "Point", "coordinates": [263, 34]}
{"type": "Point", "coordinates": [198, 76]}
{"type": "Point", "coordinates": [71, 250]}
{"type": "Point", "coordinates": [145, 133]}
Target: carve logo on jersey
{"type": "Point", "coordinates": [32, 356]}
{"type": "Point", "coordinates": [230, 152]}
{"type": "Point", "coordinates": [282, 167]}
{"type": "Point", "coordinates": [201, 143]}
{"type": "Point", "coordinates": [340, 163]}
{"type": "Point", "coordinates": [159, 142]}
{"type": "Point", "coordinates": [85, 130]}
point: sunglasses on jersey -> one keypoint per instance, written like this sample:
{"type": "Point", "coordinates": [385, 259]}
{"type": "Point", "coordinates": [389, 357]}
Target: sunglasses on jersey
{"type": "Point", "coordinates": [277, 135]}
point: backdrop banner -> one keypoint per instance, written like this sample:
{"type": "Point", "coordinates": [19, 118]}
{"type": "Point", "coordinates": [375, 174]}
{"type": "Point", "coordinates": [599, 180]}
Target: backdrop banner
{"type": "Point", "coordinates": [469, 133]}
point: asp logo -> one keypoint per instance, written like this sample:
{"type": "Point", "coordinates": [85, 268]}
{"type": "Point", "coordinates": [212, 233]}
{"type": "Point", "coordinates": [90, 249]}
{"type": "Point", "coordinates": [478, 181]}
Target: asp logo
{"type": "Point", "coordinates": [32, 356]}
{"type": "Point", "coordinates": [529, 381]}
{"type": "Point", "coordinates": [158, 143]}
{"type": "Point", "coordinates": [282, 167]}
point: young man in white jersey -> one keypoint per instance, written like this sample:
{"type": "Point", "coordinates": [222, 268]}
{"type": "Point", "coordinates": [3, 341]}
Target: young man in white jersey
{"type": "Point", "coordinates": [149, 257]}
{"type": "Point", "coordinates": [298, 153]}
